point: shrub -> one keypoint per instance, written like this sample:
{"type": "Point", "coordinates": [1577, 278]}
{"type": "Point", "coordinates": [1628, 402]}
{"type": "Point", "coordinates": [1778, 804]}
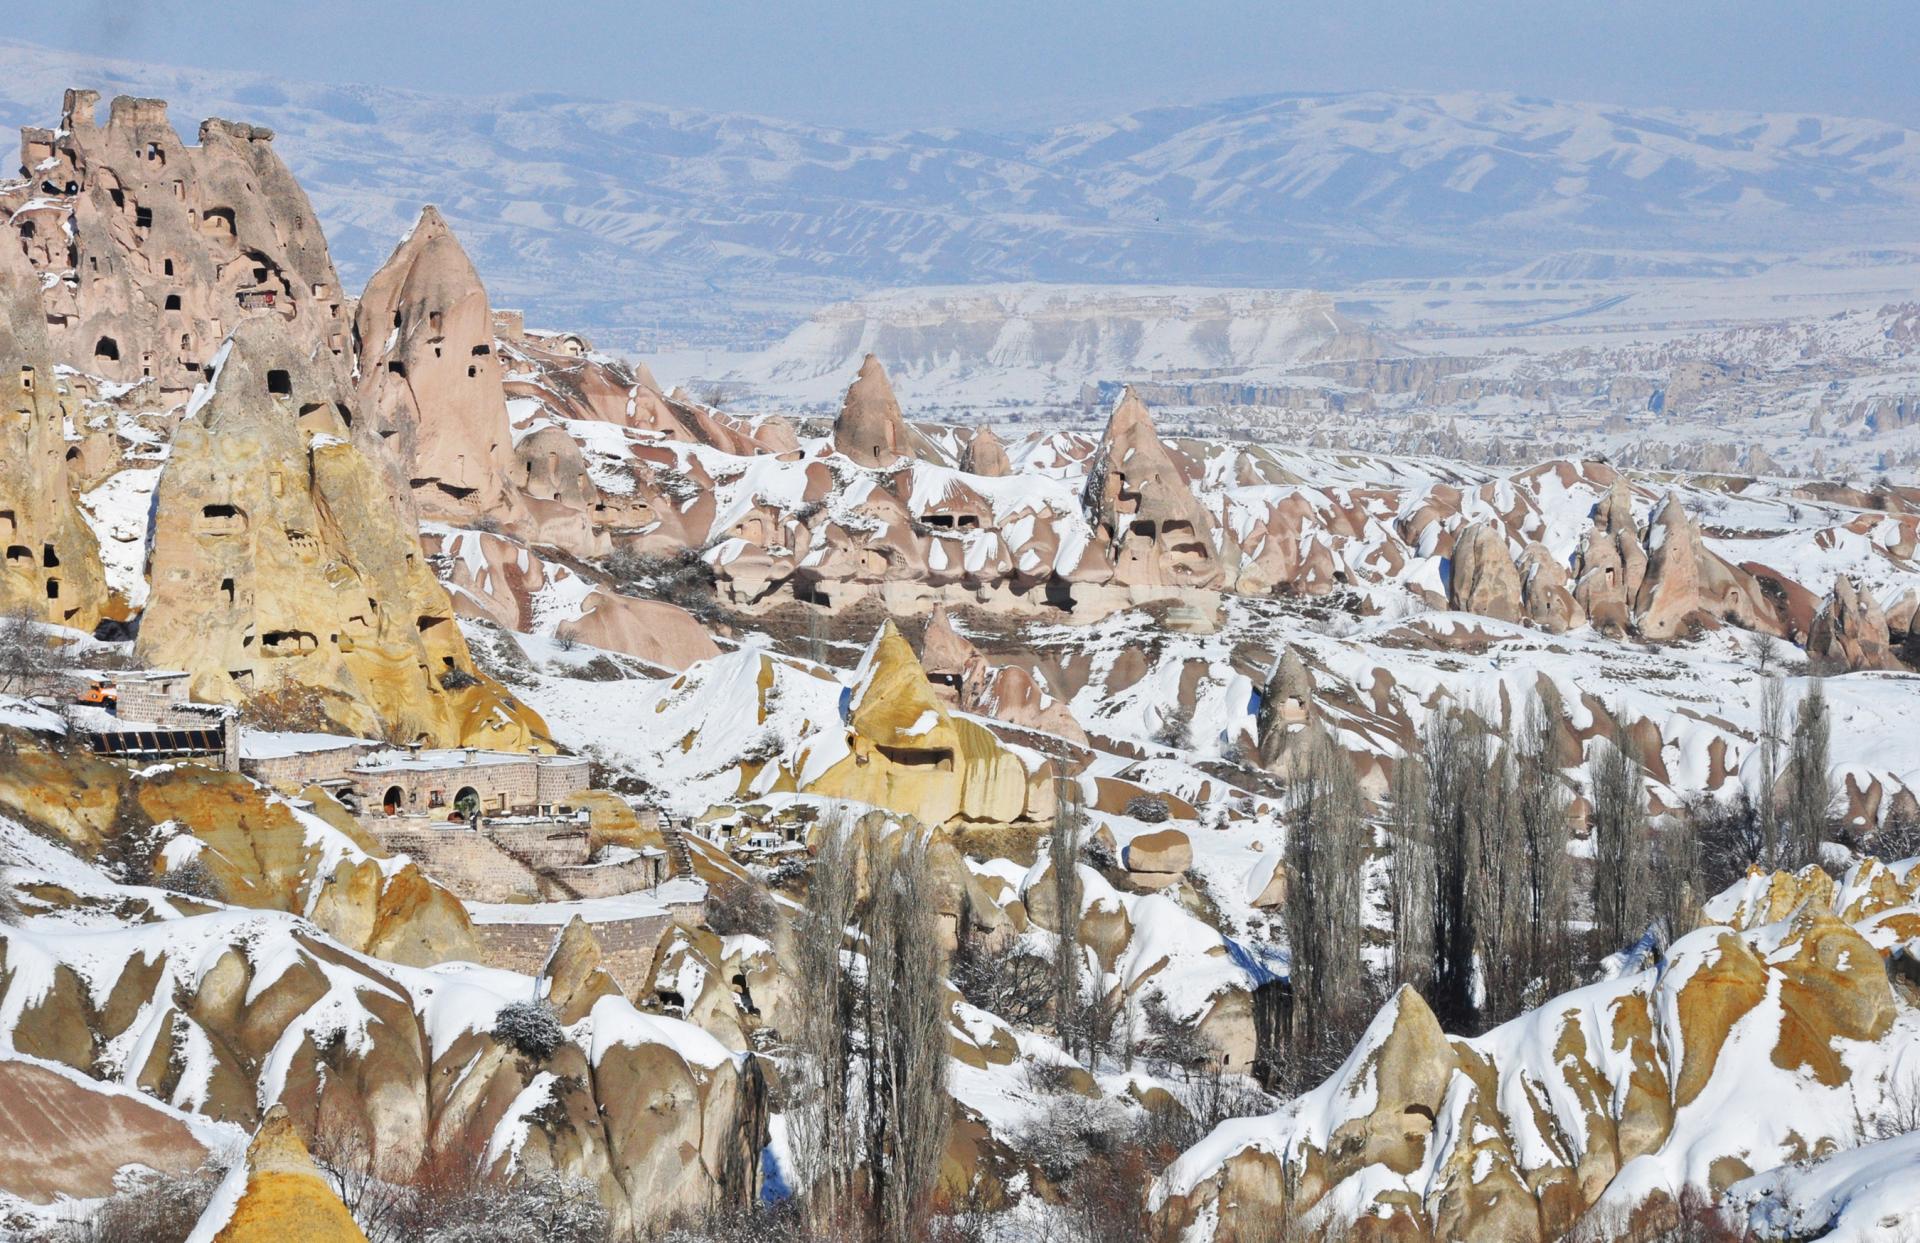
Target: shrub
{"type": "Point", "coordinates": [159, 1208]}
{"type": "Point", "coordinates": [1002, 977]}
{"type": "Point", "coordinates": [1148, 809]}
{"type": "Point", "coordinates": [736, 907]}
{"type": "Point", "coordinates": [457, 679]}
{"type": "Point", "coordinates": [529, 1027]}
{"type": "Point", "coordinates": [192, 879]}
{"type": "Point", "coordinates": [1069, 1131]}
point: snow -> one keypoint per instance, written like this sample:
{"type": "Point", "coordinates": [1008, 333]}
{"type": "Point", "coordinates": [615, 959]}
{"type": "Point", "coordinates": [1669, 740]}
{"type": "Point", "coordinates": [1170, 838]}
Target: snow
{"type": "Point", "coordinates": [261, 744]}
{"type": "Point", "coordinates": [1866, 1195]}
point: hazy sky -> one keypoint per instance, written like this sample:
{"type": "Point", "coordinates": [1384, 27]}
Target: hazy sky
{"type": "Point", "coordinates": [870, 64]}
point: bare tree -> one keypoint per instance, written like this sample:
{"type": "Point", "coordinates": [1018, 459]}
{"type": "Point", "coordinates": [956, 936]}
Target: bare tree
{"type": "Point", "coordinates": [27, 655]}
{"type": "Point", "coordinates": [905, 1027]}
{"type": "Point", "coordinates": [1326, 856]}
{"type": "Point", "coordinates": [824, 1122]}
{"type": "Point", "coordinates": [1619, 843]}
{"type": "Point", "coordinates": [1453, 769]}
{"type": "Point", "coordinates": [1546, 872]}
{"type": "Point", "coordinates": [1002, 974]}
{"type": "Point", "coordinates": [1809, 784]}
{"type": "Point", "coordinates": [1063, 849]}
{"type": "Point", "coordinates": [1766, 651]}
{"type": "Point", "coordinates": [1410, 829]}
{"type": "Point", "coordinates": [1497, 900]}
{"type": "Point", "coordinates": [1773, 736]}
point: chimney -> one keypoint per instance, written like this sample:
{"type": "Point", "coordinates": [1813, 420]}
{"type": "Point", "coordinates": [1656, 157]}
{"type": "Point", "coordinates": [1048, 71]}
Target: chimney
{"type": "Point", "coordinates": [470, 753]}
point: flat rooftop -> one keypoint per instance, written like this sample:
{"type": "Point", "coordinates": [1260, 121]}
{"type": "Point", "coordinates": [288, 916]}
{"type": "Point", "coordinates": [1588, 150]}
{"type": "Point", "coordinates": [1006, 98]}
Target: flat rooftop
{"type": "Point", "coordinates": [440, 759]}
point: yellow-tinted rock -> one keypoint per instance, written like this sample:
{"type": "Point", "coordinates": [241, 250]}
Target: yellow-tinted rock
{"type": "Point", "coordinates": [910, 756]}
{"type": "Point", "coordinates": [284, 1196]}
{"type": "Point", "coordinates": [281, 562]}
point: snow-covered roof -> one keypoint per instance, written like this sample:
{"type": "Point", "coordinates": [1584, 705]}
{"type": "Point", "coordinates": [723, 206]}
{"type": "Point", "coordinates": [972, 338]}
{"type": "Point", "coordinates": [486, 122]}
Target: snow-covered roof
{"type": "Point", "coordinates": [266, 744]}
{"type": "Point", "coordinates": [434, 760]}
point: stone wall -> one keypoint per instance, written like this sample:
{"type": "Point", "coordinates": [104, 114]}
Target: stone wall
{"type": "Point", "coordinates": [296, 772]}
{"type": "Point", "coordinates": [628, 945]}
{"type": "Point", "coordinates": [562, 777]}
{"type": "Point", "coordinates": [610, 880]}
{"type": "Point", "coordinates": [464, 861]}
{"type": "Point", "coordinates": [542, 844]}
{"type": "Point", "coordinates": [514, 784]}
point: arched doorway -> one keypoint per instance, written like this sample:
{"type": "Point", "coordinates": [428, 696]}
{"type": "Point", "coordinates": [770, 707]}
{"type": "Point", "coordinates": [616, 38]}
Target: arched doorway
{"type": "Point", "coordinates": [395, 799]}
{"type": "Point", "coordinates": [466, 806]}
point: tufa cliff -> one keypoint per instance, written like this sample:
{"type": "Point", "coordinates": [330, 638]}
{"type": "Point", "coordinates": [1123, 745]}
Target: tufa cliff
{"type": "Point", "coordinates": [281, 563]}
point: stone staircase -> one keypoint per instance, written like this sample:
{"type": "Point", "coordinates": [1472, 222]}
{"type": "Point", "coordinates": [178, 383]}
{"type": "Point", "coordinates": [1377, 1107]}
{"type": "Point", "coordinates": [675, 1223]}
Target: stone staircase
{"type": "Point", "coordinates": [677, 850]}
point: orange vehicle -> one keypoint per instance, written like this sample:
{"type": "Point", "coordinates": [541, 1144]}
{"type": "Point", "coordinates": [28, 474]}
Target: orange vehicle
{"type": "Point", "coordinates": [104, 694]}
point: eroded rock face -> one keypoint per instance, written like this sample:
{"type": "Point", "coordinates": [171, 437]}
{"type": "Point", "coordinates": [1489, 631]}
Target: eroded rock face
{"type": "Point", "coordinates": [281, 564]}
{"type": "Point", "coordinates": [1141, 503]}
{"type": "Point", "coordinates": [255, 1019]}
{"type": "Point", "coordinates": [1613, 563]}
{"type": "Point", "coordinates": [153, 251]}
{"type": "Point", "coordinates": [871, 429]}
{"type": "Point", "coordinates": [1430, 1137]}
{"type": "Point", "coordinates": [962, 675]}
{"type": "Point", "coordinates": [277, 1193]}
{"type": "Point", "coordinates": [1850, 628]}
{"type": "Point", "coordinates": [985, 455]}
{"type": "Point", "coordinates": [64, 1135]}
{"type": "Point", "coordinates": [1485, 579]}
{"type": "Point", "coordinates": [909, 754]}
{"type": "Point", "coordinates": [1687, 586]}
{"type": "Point", "coordinates": [49, 560]}
{"type": "Point", "coordinates": [429, 378]}
{"type": "Point", "coordinates": [1544, 593]}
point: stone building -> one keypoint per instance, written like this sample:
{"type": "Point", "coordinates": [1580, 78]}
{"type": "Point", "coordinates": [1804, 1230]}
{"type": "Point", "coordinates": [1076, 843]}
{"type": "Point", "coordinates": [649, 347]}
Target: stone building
{"type": "Point", "coordinates": [464, 782]}
{"type": "Point", "coordinates": [153, 718]}
{"type": "Point", "coordinates": [294, 761]}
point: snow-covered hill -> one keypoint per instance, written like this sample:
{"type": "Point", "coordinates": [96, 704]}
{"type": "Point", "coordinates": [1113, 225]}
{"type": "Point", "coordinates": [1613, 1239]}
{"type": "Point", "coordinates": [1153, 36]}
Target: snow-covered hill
{"type": "Point", "coordinates": [655, 224]}
{"type": "Point", "coordinates": [1035, 343]}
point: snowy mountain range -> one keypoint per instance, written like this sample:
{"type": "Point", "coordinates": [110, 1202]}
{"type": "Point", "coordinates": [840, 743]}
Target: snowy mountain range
{"type": "Point", "coordinates": [654, 225]}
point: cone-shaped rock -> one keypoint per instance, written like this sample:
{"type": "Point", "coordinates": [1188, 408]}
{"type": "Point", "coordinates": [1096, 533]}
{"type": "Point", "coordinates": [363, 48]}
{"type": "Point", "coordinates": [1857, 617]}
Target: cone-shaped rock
{"type": "Point", "coordinates": [575, 972]}
{"type": "Point", "coordinates": [282, 565]}
{"type": "Point", "coordinates": [1484, 579]}
{"type": "Point", "coordinates": [50, 566]}
{"type": "Point", "coordinates": [1851, 628]}
{"type": "Point", "coordinates": [276, 1195]}
{"type": "Point", "coordinates": [986, 455]}
{"type": "Point", "coordinates": [870, 429]}
{"type": "Point", "coordinates": [1139, 499]}
{"type": "Point", "coordinates": [428, 373]}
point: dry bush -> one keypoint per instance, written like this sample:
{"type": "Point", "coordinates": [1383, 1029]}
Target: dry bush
{"type": "Point", "coordinates": [736, 907]}
{"type": "Point", "coordinates": [158, 1208]}
{"type": "Point", "coordinates": [530, 1028]}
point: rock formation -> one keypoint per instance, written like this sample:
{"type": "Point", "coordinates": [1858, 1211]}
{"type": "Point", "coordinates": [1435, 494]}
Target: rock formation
{"type": "Point", "coordinates": [1484, 579]}
{"type": "Point", "coordinates": [871, 429]}
{"type": "Point", "coordinates": [151, 251]}
{"type": "Point", "coordinates": [1418, 1132]}
{"type": "Point", "coordinates": [1686, 585]}
{"type": "Point", "coordinates": [49, 560]}
{"type": "Point", "coordinates": [985, 455]}
{"type": "Point", "coordinates": [282, 566]}
{"type": "Point", "coordinates": [428, 377]}
{"type": "Point", "coordinates": [963, 677]}
{"type": "Point", "coordinates": [1544, 593]}
{"type": "Point", "coordinates": [1851, 629]}
{"type": "Point", "coordinates": [276, 1193]}
{"type": "Point", "coordinates": [1141, 503]}
{"type": "Point", "coordinates": [908, 754]}
{"type": "Point", "coordinates": [1286, 709]}
{"type": "Point", "coordinates": [1612, 564]}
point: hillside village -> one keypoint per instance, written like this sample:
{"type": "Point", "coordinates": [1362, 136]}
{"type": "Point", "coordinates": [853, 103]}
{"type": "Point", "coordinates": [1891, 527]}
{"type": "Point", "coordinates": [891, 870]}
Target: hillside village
{"type": "Point", "coordinates": [427, 743]}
